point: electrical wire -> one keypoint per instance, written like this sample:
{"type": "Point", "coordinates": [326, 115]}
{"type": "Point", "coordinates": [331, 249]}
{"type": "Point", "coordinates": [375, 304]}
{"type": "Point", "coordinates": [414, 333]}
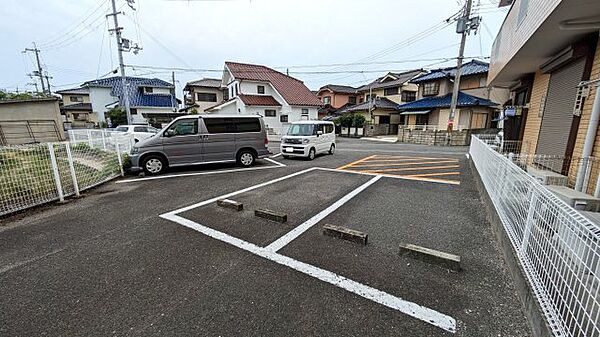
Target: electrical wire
{"type": "Point", "coordinates": [70, 30]}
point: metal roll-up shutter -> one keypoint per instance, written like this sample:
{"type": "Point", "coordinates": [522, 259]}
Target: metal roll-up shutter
{"type": "Point", "coordinates": [558, 116]}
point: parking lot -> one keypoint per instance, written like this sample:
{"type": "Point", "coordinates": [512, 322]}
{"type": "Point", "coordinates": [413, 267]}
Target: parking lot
{"type": "Point", "coordinates": [157, 256]}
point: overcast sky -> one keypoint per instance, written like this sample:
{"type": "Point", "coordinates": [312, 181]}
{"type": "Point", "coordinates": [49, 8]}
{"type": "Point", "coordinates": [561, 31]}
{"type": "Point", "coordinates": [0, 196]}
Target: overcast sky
{"type": "Point", "coordinates": [75, 44]}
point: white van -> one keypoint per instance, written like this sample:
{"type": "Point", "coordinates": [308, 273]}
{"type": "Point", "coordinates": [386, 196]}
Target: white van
{"type": "Point", "coordinates": [308, 138]}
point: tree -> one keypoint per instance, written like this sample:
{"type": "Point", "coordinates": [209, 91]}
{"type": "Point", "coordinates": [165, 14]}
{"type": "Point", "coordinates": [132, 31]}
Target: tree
{"type": "Point", "coordinates": [20, 95]}
{"type": "Point", "coordinates": [117, 116]}
{"type": "Point", "coordinates": [358, 121]}
{"type": "Point", "coordinates": [345, 120]}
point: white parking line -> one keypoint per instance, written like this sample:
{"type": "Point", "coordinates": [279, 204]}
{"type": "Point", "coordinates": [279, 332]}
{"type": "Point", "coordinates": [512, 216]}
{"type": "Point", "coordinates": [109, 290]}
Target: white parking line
{"type": "Point", "coordinates": [275, 155]}
{"type": "Point", "coordinates": [412, 309]}
{"type": "Point", "coordinates": [279, 165]}
{"type": "Point", "coordinates": [296, 232]}
{"type": "Point", "coordinates": [429, 180]}
{"type": "Point", "coordinates": [275, 162]}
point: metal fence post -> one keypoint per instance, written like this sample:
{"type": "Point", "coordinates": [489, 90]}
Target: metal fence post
{"type": "Point", "coordinates": [119, 158]}
{"type": "Point", "coordinates": [529, 221]}
{"type": "Point", "coordinates": [89, 136]}
{"type": "Point", "coordinates": [103, 141]}
{"type": "Point", "coordinates": [72, 168]}
{"type": "Point", "coordinates": [55, 172]}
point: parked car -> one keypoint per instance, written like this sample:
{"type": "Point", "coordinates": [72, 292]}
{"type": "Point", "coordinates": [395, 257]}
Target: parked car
{"type": "Point", "coordinates": [139, 132]}
{"type": "Point", "coordinates": [190, 140]}
{"type": "Point", "coordinates": [308, 138]}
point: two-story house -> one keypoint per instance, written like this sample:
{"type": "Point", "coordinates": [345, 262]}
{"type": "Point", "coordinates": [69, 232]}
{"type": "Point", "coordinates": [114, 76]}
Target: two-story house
{"type": "Point", "coordinates": [475, 107]}
{"type": "Point", "coordinates": [76, 107]}
{"type": "Point", "coordinates": [258, 90]}
{"type": "Point", "coordinates": [203, 94]}
{"type": "Point", "coordinates": [335, 97]}
{"type": "Point", "coordinates": [547, 52]}
{"type": "Point", "coordinates": [150, 99]}
{"type": "Point", "coordinates": [379, 100]}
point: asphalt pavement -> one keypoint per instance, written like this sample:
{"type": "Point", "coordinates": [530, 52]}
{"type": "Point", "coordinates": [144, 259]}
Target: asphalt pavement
{"type": "Point", "coordinates": [114, 262]}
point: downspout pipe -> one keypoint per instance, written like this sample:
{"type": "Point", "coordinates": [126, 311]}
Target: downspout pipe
{"type": "Point", "coordinates": [588, 145]}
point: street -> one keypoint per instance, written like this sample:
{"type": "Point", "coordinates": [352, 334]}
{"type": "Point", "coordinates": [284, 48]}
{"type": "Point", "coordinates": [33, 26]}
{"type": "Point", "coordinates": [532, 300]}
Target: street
{"type": "Point", "coordinates": [157, 256]}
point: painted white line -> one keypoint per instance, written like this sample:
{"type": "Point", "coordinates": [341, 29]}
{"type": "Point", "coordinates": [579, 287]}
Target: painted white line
{"type": "Point", "coordinates": [275, 162]}
{"type": "Point", "coordinates": [224, 196]}
{"type": "Point", "coordinates": [199, 173]}
{"type": "Point", "coordinates": [428, 151]}
{"type": "Point", "coordinates": [296, 232]}
{"type": "Point", "coordinates": [412, 309]}
{"type": "Point", "coordinates": [391, 176]}
{"type": "Point", "coordinates": [276, 155]}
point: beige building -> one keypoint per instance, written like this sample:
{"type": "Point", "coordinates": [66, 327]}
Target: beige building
{"type": "Point", "coordinates": [77, 108]}
{"type": "Point", "coordinates": [547, 53]}
{"type": "Point", "coordinates": [203, 94]}
{"type": "Point", "coordinates": [477, 103]}
{"type": "Point", "coordinates": [30, 121]}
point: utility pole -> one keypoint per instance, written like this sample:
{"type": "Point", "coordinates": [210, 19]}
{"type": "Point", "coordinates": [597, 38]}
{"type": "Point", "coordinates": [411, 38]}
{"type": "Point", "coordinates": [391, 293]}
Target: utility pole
{"type": "Point", "coordinates": [38, 72]}
{"type": "Point", "coordinates": [117, 31]}
{"type": "Point", "coordinates": [464, 26]}
{"type": "Point", "coordinates": [173, 97]}
{"type": "Point", "coordinates": [35, 85]}
{"type": "Point", "coordinates": [48, 83]}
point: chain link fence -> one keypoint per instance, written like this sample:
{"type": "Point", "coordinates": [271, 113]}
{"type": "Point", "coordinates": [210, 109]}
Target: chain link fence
{"type": "Point", "coordinates": [557, 247]}
{"type": "Point", "coordinates": [34, 174]}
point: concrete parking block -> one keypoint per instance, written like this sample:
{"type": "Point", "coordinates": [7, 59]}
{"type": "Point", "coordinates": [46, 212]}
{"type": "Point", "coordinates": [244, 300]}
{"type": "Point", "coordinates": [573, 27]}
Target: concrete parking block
{"type": "Point", "coordinates": [344, 233]}
{"type": "Point", "coordinates": [428, 255]}
{"type": "Point", "coordinates": [271, 215]}
{"type": "Point", "coordinates": [226, 203]}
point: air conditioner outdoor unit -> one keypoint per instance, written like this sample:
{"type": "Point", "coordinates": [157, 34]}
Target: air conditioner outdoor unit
{"type": "Point", "coordinates": [547, 177]}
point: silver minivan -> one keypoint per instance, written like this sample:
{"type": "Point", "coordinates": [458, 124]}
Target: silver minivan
{"type": "Point", "coordinates": [190, 140]}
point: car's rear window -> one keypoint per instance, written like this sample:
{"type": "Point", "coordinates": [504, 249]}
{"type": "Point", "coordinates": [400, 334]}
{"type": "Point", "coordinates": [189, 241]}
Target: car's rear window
{"type": "Point", "coordinates": [232, 125]}
{"type": "Point", "coordinates": [122, 129]}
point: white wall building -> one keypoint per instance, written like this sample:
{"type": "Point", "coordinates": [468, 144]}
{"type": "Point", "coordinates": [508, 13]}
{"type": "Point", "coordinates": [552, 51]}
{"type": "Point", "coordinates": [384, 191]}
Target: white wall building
{"type": "Point", "coordinates": [259, 90]}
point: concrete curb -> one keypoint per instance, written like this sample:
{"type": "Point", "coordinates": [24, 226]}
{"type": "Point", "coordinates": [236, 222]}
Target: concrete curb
{"type": "Point", "coordinates": [226, 203]}
{"type": "Point", "coordinates": [345, 234]}
{"type": "Point", "coordinates": [271, 215]}
{"type": "Point", "coordinates": [432, 256]}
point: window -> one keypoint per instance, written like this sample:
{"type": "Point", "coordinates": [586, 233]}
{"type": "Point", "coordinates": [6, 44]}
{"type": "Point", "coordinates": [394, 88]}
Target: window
{"type": "Point", "coordinates": [352, 99]}
{"type": "Point", "coordinates": [219, 125]}
{"type": "Point", "coordinates": [270, 113]}
{"type": "Point", "coordinates": [140, 129]}
{"type": "Point", "coordinates": [206, 97]}
{"type": "Point", "coordinates": [122, 129]}
{"type": "Point", "coordinates": [301, 130]}
{"type": "Point", "coordinates": [422, 119]}
{"type": "Point", "coordinates": [133, 111]}
{"type": "Point", "coordinates": [260, 89]}
{"type": "Point", "coordinates": [247, 124]}
{"type": "Point", "coordinates": [283, 118]}
{"type": "Point", "coordinates": [431, 89]}
{"type": "Point", "coordinates": [184, 127]}
{"type": "Point", "coordinates": [328, 128]}
{"type": "Point", "coordinates": [327, 100]}
{"type": "Point", "coordinates": [76, 99]}
{"type": "Point", "coordinates": [368, 97]}
{"type": "Point", "coordinates": [409, 96]}
{"type": "Point", "coordinates": [390, 91]}
{"type": "Point", "coordinates": [305, 112]}
{"type": "Point", "coordinates": [317, 128]}
{"type": "Point", "coordinates": [148, 90]}
{"type": "Point", "coordinates": [523, 8]}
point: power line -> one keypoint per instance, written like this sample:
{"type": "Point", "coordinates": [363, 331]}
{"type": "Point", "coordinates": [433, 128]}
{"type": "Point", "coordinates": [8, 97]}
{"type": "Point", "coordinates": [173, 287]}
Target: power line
{"type": "Point", "coordinates": [70, 30]}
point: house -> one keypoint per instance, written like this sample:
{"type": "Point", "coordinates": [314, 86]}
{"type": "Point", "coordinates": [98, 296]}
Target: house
{"type": "Point", "coordinates": [258, 90]}
{"type": "Point", "coordinates": [76, 107]}
{"type": "Point", "coordinates": [203, 94]}
{"type": "Point", "coordinates": [379, 100]}
{"type": "Point", "coordinates": [335, 97]}
{"type": "Point", "coordinates": [547, 53]}
{"type": "Point", "coordinates": [475, 107]}
{"type": "Point", "coordinates": [150, 99]}
{"type": "Point", "coordinates": [32, 120]}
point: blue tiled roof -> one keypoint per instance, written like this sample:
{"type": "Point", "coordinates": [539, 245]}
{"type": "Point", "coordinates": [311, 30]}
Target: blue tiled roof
{"type": "Point", "coordinates": [470, 68]}
{"type": "Point", "coordinates": [137, 98]}
{"type": "Point", "coordinates": [464, 100]}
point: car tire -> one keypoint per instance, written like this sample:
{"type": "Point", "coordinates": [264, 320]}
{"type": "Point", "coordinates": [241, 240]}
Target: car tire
{"type": "Point", "coordinates": [312, 153]}
{"type": "Point", "coordinates": [153, 165]}
{"type": "Point", "coordinates": [332, 149]}
{"type": "Point", "coordinates": [246, 158]}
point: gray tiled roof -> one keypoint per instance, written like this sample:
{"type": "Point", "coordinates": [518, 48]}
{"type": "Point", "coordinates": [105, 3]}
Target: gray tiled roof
{"type": "Point", "coordinates": [205, 82]}
{"type": "Point", "coordinates": [346, 89]}
{"type": "Point", "coordinates": [471, 68]}
{"type": "Point", "coordinates": [378, 103]}
{"type": "Point", "coordinates": [401, 78]}
{"type": "Point", "coordinates": [75, 91]}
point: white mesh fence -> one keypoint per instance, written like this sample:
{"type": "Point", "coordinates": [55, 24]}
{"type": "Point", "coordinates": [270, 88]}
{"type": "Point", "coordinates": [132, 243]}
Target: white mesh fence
{"type": "Point", "coordinates": [102, 139]}
{"type": "Point", "coordinates": [34, 174]}
{"type": "Point", "coordinates": [557, 247]}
